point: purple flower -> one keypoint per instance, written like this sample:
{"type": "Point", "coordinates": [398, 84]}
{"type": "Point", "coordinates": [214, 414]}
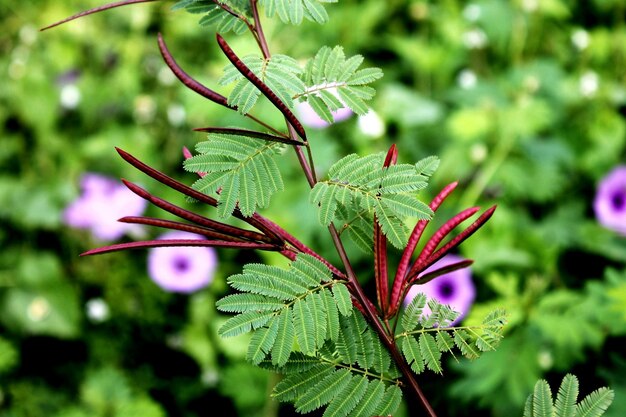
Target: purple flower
{"type": "Point", "coordinates": [610, 201]}
{"type": "Point", "coordinates": [309, 118]}
{"type": "Point", "coordinates": [102, 202]}
{"type": "Point", "coordinates": [455, 289]}
{"type": "Point", "coordinates": [182, 269]}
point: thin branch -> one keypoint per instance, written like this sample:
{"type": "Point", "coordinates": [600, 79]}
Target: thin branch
{"type": "Point", "coordinates": [195, 218]}
{"type": "Point", "coordinates": [251, 134]}
{"type": "Point", "coordinates": [96, 10]}
{"type": "Point", "coordinates": [180, 242]}
{"type": "Point", "coordinates": [255, 220]}
{"type": "Point", "coordinates": [170, 224]}
{"type": "Point", "coordinates": [258, 83]}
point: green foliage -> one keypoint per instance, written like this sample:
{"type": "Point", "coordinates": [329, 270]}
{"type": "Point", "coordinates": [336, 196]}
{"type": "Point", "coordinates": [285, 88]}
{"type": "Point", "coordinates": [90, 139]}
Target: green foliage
{"type": "Point", "coordinates": [241, 168]}
{"type": "Point", "coordinates": [280, 73]}
{"type": "Point", "coordinates": [423, 351]}
{"type": "Point", "coordinates": [359, 188]}
{"type": "Point", "coordinates": [333, 82]}
{"type": "Point", "coordinates": [539, 404]}
{"type": "Point", "coordinates": [214, 15]}
{"type": "Point", "coordinates": [303, 325]}
{"type": "Point", "coordinates": [293, 11]}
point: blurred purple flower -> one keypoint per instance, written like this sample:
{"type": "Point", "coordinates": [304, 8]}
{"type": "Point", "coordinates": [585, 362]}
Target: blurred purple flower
{"type": "Point", "coordinates": [610, 201]}
{"type": "Point", "coordinates": [182, 269]}
{"type": "Point", "coordinates": [309, 118]}
{"type": "Point", "coordinates": [102, 202]}
{"type": "Point", "coordinates": [455, 289]}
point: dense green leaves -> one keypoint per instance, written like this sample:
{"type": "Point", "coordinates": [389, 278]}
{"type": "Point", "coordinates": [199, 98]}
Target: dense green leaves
{"type": "Point", "coordinates": [359, 188]}
{"type": "Point", "coordinates": [425, 336]}
{"type": "Point", "coordinates": [214, 15]}
{"type": "Point", "coordinates": [303, 325]}
{"type": "Point", "coordinates": [296, 307]}
{"type": "Point", "coordinates": [539, 403]}
{"type": "Point", "coordinates": [280, 73]}
{"type": "Point", "coordinates": [241, 168]}
{"type": "Point", "coordinates": [334, 82]}
{"type": "Point", "coordinates": [294, 11]}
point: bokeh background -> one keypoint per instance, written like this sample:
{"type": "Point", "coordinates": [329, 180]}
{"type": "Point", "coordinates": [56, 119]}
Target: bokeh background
{"type": "Point", "coordinates": [523, 100]}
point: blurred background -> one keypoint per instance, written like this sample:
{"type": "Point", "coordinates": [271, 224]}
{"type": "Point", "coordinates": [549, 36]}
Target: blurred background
{"type": "Point", "coordinates": [523, 100]}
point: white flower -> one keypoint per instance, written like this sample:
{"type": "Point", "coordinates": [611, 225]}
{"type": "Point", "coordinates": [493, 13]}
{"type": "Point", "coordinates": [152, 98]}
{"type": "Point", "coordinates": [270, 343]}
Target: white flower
{"type": "Point", "coordinates": [97, 310]}
{"type": "Point", "coordinates": [580, 39]}
{"type": "Point", "coordinates": [589, 83]}
{"type": "Point", "coordinates": [467, 79]}
{"type": "Point", "coordinates": [475, 39]}
{"type": "Point", "coordinates": [371, 124]}
{"type": "Point", "coordinates": [70, 96]}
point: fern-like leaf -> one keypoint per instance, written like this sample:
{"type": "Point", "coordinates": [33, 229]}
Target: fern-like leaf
{"type": "Point", "coordinates": [387, 193]}
{"type": "Point", "coordinates": [413, 355]}
{"type": "Point", "coordinates": [371, 399]}
{"type": "Point", "coordinates": [215, 15]}
{"type": "Point", "coordinates": [347, 398]}
{"type": "Point", "coordinates": [242, 169]}
{"type": "Point", "coordinates": [542, 400]}
{"type": "Point", "coordinates": [565, 404]}
{"type": "Point", "coordinates": [411, 317]}
{"type": "Point", "coordinates": [283, 343]}
{"type": "Point", "coordinates": [280, 73]}
{"type": "Point", "coordinates": [261, 343]}
{"type": "Point", "coordinates": [324, 391]}
{"type": "Point", "coordinates": [430, 353]}
{"type": "Point", "coordinates": [596, 403]}
{"type": "Point", "coordinates": [390, 402]}
{"type": "Point", "coordinates": [296, 384]}
{"type": "Point", "coordinates": [304, 327]}
{"type": "Point", "coordinates": [539, 403]}
{"type": "Point", "coordinates": [294, 11]}
{"type": "Point", "coordinates": [335, 82]}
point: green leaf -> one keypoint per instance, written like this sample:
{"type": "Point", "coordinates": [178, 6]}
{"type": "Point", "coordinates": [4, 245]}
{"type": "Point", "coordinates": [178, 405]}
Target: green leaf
{"type": "Point", "coordinates": [285, 334]}
{"type": "Point", "coordinates": [296, 384]}
{"type": "Point", "coordinates": [404, 205]}
{"type": "Point", "coordinates": [427, 166]}
{"type": "Point", "coordinates": [332, 315]}
{"type": "Point", "coordinates": [311, 270]}
{"type": "Point", "coordinates": [303, 325]}
{"type": "Point", "coordinates": [463, 342]}
{"type": "Point", "coordinates": [323, 392]}
{"type": "Point", "coordinates": [338, 82]}
{"type": "Point", "coordinates": [348, 398]}
{"type": "Point", "coordinates": [412, 354]}
{"type": "Point", "coordinates": [244, 322]}
{"type": "Point", "coordinates": [293, 11]}
{"type": "Point", "coordinates": [342, 297]}
{"type": "Point", "coordinates": [371, 399]}
{"type": "Point", "coordinates": [565, 404]}
{"type": "Point", "coordinates": [542, 400]}
{"type": "Point", "coordinates": [239, 303]}
{"type": "Point", "coordinates": [261, 343]}
{"type": "Point", "coordinates": [413, 312]}
{"type": "Point", "coordinates": [430, 353]}
{"type": "Point", "coordinates": [596, 403]}
{"type": "Point", "coordinates": [316, 306]}
{"type": "Point", "coordinates": [391, 401]}
{"type": "Point", "coordinates": [241, 167]}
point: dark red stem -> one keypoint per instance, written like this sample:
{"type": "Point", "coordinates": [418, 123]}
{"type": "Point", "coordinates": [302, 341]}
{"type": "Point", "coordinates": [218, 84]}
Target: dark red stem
{"type": "Point", "coordinates": [97, 10]}
{"type": "Point", "coordinates": [267, 92]}
{"type": "Point", "coordinates": [181, 242]}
